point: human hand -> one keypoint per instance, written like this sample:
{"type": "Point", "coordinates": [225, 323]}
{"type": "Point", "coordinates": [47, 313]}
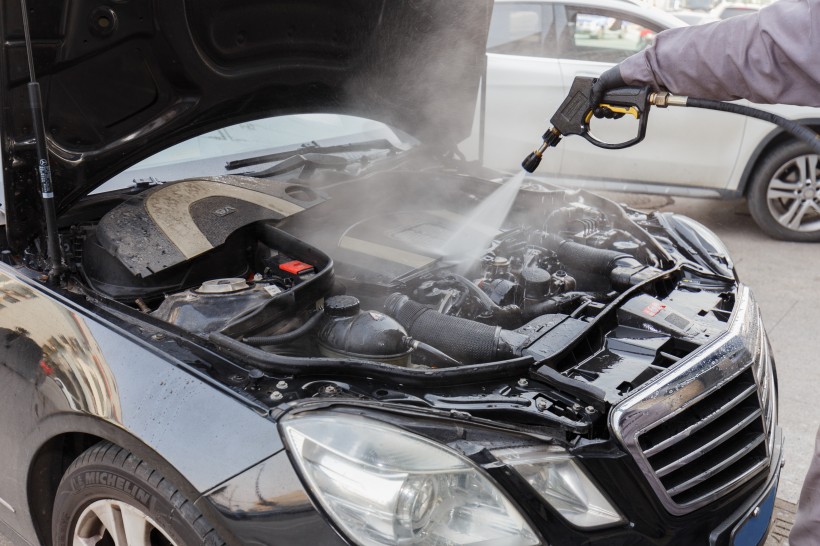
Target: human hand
{"type": "Point", "coordinates": [611, 79]}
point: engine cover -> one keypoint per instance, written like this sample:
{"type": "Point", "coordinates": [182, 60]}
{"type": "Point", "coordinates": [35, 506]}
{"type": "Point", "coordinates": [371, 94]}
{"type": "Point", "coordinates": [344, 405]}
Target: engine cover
{"type": "Point", "coordinates": [155, 240]}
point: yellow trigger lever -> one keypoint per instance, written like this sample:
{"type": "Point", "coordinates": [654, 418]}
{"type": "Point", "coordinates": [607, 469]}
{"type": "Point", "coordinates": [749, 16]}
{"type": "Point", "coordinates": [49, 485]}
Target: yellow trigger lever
{"type": "Point", "coordinates": [628, 110]}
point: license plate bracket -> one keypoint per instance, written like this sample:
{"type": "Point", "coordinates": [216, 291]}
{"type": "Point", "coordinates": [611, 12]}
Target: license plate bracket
{"type": "Point", "coordinates": [751, 531]}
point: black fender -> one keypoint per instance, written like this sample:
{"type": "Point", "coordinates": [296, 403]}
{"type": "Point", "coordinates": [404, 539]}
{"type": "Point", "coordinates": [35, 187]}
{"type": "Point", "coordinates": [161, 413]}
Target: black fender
{"type": "Point", "coordinates": [64, 370]}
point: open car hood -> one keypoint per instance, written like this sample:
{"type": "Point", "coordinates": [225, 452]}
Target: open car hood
{"type": "Point", "coordinates": [123, 80]}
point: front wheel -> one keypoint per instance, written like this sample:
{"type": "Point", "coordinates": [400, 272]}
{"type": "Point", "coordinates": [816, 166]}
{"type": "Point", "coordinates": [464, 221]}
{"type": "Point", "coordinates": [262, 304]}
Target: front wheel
{"type": "Point", "coordinates": [109, 497]}
{"type": "Point", "coordinates": [784, 195]}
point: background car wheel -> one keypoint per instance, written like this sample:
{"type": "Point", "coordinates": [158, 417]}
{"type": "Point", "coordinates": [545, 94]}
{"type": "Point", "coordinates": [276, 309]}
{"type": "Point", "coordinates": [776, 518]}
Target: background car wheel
{"type": "Point", "coordinates": [109, 497]}
{"type": "Point", "coordinates": [784, 196]}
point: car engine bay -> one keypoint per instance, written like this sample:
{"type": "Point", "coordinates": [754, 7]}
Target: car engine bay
{"type": "Point", "coordinates": [287, 274]}
{"type": "Point", "coordinates": [248, 270]}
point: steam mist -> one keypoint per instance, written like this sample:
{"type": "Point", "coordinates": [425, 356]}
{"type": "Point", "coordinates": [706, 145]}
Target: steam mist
{"type": "Point", "coordinates": [415, 65]}
{"type": "Point", "coordinates": [424, 64]}
{"type": "Point", "coordinates": [419, 68]}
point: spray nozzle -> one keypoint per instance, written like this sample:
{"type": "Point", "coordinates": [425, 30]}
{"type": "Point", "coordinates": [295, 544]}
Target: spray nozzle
{"type": "Point", "coordinates": [551, 138]}
{"type": "Point", "coordinates": [531, 162]}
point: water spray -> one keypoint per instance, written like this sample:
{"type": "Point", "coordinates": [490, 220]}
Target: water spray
{"type": "Point", "coordinates": [484, 222]}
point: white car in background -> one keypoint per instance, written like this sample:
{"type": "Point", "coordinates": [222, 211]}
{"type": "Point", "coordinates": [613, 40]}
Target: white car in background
{"type": "Point", "coordinates": [694, 17]}
{"type": "Point", "coordinates": [536, 49]}
{"type": "Point", "coordinates": [724, 10]}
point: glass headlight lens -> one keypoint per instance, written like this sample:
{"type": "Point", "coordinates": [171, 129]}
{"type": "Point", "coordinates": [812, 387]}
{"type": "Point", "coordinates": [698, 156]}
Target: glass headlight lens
{"type": "Point", "coordinates": [384, 485]}
{"type": "Point", "coordinates": [553, 473]}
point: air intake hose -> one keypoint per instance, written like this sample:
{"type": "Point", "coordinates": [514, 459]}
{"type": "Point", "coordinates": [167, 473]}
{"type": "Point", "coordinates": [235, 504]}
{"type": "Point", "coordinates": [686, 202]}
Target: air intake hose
{"type": "Point", "coordinates": [599, 261]}
{"type": "Point", "coordinates": [464, 339]}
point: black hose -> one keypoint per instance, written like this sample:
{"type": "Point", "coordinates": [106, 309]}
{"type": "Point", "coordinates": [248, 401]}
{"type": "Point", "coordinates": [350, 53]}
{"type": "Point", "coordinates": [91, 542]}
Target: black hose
{"type": "Point", "coordinates": [482, 296]}
{"type": "Point", "coordinates": [599, 261]}
{"type": "Point", "coordinates": [282, 364]}
{"type": "Point", "coordinates": [795, 128]}
{"type": "Point", "coordinates": [287, 337]}
{"type": "Point", "coordinates": [463, 338]}
{"type": "Point", "coordinates": [508, 316]}
{"type": "Point", "coordinates": [559, 303]}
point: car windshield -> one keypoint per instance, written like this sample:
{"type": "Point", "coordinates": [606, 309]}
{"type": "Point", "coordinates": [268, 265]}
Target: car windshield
{"type": "Point", "coordinates": [262, 143]}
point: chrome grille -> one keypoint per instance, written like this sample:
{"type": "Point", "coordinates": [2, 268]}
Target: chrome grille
{"type": "Point", "coordinates": [700, 449]}
{"type": "Point", "coordinates": [707, 426]}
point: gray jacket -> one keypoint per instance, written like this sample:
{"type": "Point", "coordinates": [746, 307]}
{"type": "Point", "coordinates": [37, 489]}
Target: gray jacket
{"type": "Point", "coordinates": [772, 56]}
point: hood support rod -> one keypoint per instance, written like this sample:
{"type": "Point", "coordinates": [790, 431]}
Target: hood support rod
{"type": "Point", "coordinates": [43, 168]}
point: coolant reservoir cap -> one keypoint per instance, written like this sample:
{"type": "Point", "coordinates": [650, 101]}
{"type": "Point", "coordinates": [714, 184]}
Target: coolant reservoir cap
{"type": "Point", "coordinates": [626, 246]}
{"type": "Point", "coordinates": [342, 306]}
{"type": "Point", "coordinates": [222, 286]}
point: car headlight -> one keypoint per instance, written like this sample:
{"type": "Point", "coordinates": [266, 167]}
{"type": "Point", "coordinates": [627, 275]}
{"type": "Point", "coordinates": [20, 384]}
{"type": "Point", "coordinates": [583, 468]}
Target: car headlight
{"type": "Point", "coordinates": [383, 485]}
{"type": "Point", "coordinates": [560, 481]}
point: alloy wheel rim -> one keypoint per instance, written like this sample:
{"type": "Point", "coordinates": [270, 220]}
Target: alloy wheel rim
{"type": "Point", "coordinates": [793, 194]}
{"type": "Point", "coordinates": [110, 522]}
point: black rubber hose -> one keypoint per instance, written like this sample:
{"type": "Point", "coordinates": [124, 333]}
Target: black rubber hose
{"type": "Point", "coordinates": [482, 296]}
{"type": "Point", "coordinates": [599, 261]}
{"type": "Point", "coordinates": [462, 338]}
{"type": "Point", "coordinates": [287, 337]}
{"type": "Point", "coordinates": [508, 316]}
{"type": "Point", "coordinates": [556, 304]}
{"type": "Point", "coordinates": [282, 364]}
{"type": "Point", "coordinates": [795, 128]}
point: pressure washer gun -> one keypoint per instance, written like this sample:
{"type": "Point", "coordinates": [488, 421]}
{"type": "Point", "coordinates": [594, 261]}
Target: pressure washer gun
{"type": "Point", "coordinates": [575, 113]}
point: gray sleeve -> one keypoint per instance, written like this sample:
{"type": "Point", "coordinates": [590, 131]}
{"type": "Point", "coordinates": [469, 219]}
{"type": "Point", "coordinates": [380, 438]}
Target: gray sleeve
{"type": "Point", "coordinates": [807, 520]}
{"type": "Point", "coordinates": [772, 56]}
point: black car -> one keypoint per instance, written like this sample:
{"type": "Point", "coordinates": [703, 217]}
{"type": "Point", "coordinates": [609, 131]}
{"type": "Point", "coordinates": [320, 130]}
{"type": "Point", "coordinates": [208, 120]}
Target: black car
{"type": "Point", "coordinates": [360, 339]}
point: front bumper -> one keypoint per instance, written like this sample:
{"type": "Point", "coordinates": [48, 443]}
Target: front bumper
{"type": "Point", "coordinates": [268, 505]}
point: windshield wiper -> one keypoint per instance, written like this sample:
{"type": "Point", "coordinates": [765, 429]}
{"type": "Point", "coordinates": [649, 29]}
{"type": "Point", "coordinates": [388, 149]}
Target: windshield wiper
{"type": "Point", "coordinates": [307, 162]}
{"type": "Point", "coordinates": [313, 147]}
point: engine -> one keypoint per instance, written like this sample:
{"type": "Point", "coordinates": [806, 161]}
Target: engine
{"type": "Point", "coordinates": [418, 284]}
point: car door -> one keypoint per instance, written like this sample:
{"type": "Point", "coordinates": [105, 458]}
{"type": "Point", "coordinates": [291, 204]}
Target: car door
{"type": "Point", "coordinates": [682, 146]}
{"type": "Point", "coordinates": [523, 80]}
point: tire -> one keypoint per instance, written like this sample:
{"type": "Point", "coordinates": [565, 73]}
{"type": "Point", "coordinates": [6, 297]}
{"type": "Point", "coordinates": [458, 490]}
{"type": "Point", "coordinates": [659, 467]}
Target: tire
{"type": "Point", "coordinates": [784, 195]}
{"type": "Point", "coordinates": [110, 497]}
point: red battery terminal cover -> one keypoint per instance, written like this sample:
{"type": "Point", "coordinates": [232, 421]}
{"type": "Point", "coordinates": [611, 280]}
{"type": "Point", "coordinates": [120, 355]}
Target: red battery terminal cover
{"type": "Point", "coordinates": [296, 267]}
